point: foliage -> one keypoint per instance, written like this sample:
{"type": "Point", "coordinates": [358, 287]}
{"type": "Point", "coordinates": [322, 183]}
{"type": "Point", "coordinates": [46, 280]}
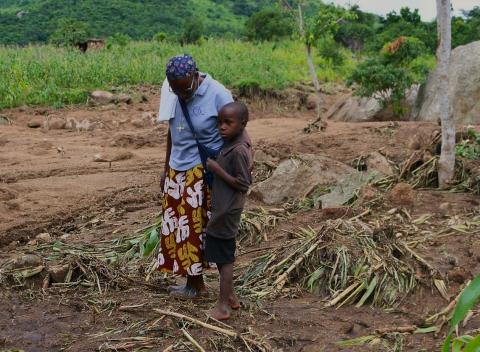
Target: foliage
{"type": "Point", "coordinates": [466, 28]}
{"type": "Point", "coordinates": [48, 75]}
{"type": "Point", "coordinates": [469, 297]}
{"type": "Point", "coordinates": [329, 49]}
{"type": "Point", "coordinates": [470, 147]}
{"type": "Point", "coordinates": [69, 33]}
{"type": "Point", "coordinates": [137, 19]}
{"type": "Point", "coordinates": [390, 74]}
{"type": "Point", "coordinates": [271, 23]}
{"type": "Point", "coordinates": [118, 39]}
{"type": "Point", "coordinates": [160, 37]}
{"type": "Point", "coordinates": [193, 31]}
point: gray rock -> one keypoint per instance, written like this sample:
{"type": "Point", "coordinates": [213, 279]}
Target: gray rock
{"type": "Point", "coordinates": [58, 272]}
{"type": "Point", "coordinates": [27, 261]}
{"type": "Point", "coordinates": [4, 120]}
{"type": "Point", "coordinates": [295, 178]}
{"type": "Point", "coordinates": [378, 162]}
{"type": "Point", "coordinates": [101, 97]}
{"type": "Point", "coordinates": [464, 88]}
{"type": "Point", "coordinates": [344, 191]}
{"type": "Point", "coordinates": [351, 108]}
{"type": "Point", "coordinates": [36, 122]}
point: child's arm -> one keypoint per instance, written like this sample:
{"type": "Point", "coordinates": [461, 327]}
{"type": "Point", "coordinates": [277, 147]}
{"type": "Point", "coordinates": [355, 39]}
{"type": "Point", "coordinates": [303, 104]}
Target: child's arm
{"type": "Point", "coordinates": [243, 177]}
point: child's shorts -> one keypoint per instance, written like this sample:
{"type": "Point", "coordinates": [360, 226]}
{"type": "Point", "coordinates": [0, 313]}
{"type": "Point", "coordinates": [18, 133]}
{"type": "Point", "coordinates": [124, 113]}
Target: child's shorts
{"type": "Point", "coordinates": [218, 250]}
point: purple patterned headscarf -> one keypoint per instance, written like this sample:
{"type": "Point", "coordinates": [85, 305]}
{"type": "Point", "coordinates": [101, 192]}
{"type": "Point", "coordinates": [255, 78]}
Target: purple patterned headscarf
{"type": "Point", "coordinates": [180, 66]}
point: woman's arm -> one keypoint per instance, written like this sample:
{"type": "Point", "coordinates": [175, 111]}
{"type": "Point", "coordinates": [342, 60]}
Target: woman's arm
{"type": "Point", "coordinates": [167, 158]}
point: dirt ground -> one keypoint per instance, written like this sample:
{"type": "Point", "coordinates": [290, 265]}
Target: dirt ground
{"type": "Point", "coordinates": [51, 183]}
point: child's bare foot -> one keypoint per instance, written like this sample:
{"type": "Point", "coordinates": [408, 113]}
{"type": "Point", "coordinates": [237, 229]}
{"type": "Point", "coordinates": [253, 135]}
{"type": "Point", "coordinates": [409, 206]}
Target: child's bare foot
{"type": "Point", "coordinates": [234, 302]}
{"type": "Point", "coordinates": [220, 312]}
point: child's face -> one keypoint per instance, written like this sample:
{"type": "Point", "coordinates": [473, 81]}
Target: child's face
{"type": "Point", "coordinates": [230, 125]}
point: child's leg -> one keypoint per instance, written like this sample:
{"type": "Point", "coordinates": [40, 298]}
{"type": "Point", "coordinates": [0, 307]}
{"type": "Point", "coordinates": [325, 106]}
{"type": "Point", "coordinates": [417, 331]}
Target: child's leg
{"type": "Point", "coordinates": [227, 296]}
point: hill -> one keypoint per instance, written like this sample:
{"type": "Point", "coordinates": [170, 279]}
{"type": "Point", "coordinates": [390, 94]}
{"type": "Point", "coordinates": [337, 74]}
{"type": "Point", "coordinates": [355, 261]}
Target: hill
{"type": "Point", "coordinates": [26, 21]}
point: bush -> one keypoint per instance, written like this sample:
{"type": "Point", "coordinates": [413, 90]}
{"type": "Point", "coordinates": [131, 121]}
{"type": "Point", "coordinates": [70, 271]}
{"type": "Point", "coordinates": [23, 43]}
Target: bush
{"type": "Point", "coordinates": [70, 33]}
{"type": "Point", "coordinates": [160, 37]}
{"type": "Point", "coordinates": [269, 24]}
{"type": "Point", "coordinates": [193, 32]}
{"type": "Point", "coordinates": [330, 50]}
{"type": "Point", "coordinates": [390, 74]}
{"type": "Point", "coordinates": [118, 39]}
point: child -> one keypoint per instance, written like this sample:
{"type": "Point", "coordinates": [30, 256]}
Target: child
{"type": "Point", "coordinates": [232, 177]}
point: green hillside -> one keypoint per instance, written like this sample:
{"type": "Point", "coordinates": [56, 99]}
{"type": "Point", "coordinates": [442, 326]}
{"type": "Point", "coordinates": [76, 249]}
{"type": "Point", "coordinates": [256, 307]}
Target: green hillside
{"type": "Point", "coordinates": [27, 21]}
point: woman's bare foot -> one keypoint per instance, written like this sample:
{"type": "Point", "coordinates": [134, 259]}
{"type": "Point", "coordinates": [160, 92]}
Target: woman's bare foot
{"type": "Point", "coordinates": [234, 302]}
{"type": "Point", "coordinates": [220, 312]}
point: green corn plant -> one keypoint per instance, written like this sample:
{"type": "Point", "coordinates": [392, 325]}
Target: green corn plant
{"type": "Point", "coordinates": [465, 343]}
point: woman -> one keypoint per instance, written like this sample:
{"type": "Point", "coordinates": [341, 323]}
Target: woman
{"type": "Point", "coordinates": [186, 195]}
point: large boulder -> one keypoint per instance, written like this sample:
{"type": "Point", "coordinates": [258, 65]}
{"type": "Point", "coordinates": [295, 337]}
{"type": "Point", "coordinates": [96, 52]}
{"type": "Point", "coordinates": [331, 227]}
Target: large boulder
{"type": "Point", "coordinates": [464, 88]}
{"type": "Point", "coordinates": [351, 108]}
{"type": "Point", "coordinates": [295, 178]}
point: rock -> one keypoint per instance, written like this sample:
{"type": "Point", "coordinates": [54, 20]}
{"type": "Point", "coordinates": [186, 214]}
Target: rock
{"type": "Point", "coordinates": [100, 97]}
{"type": "Point", "coordinates": [43, 237]}
{"type": "Point", "coordinates": [27, 261]}
{"type": "Point", "coordinates": [346, 189]}
{"type": "Point", "coordinates": [36, 122]}
{"type": "Point", "coordinates": [261, 157]}
{"type": "Point", "coordinates": [401, 195]}
{"type": "Point", "coordinates": [311, 102]}
{"type": "Point", "coordinates": [58, 272]}
{"type": "Point", "coordinates": [139, 123]}
{"type": "Point", "coordinates": [295, 178]}
{"type": "Point", "coordinates": [149, 118]}
{"type": "Point", "coordinates": [354, 109]}
{"type": "Point", "coordinates": [4, 120]}
{"type": "Point", "coordinates": [446, 208]}
{"type": "Point", "coordinates": [84, 125]}
{"type": "Point", "coordinates": [100, 158]}
{"type": "Point", "coordinates": [122, 156]}
{"type": "Point", "coordinates": [378, 162]}
{"type": "Point", "coordinates": [351, 108]}
{"type": "Point", "coordinates": [367, 194]}
{"type": "Point", "coordinates": [55, 123]}
{"type": "Point", "coordinates": [464, 88]}
{"type": "Point", "coordinates": [71, 123]}
{"type": "Point", "coordinates": [457, 275]}
{"type": "Point", "coordinates": [124, 98]}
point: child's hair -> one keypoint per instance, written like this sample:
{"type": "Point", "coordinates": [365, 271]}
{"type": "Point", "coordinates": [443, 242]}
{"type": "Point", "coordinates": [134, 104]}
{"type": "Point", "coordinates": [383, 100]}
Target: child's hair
{"type": "Point", "coordinates": [240, 109]}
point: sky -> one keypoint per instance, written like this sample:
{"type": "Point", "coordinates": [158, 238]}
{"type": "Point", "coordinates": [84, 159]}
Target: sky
{"type": "Point", "coordinates": [427, 8]}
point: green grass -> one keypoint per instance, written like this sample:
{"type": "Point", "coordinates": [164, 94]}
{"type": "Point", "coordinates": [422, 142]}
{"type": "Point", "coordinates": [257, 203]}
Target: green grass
{"type": "Point", "coordinates": [46, 75]}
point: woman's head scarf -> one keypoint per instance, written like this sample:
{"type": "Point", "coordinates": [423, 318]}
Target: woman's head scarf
{"type": "Point", "coordinates": [180, 66]}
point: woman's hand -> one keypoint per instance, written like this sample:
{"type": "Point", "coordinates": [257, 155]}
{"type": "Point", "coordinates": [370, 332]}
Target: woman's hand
{"type": "Point", "coordinates": [163, 176]}
{"type": "Point", "coordinates": [213, 166]}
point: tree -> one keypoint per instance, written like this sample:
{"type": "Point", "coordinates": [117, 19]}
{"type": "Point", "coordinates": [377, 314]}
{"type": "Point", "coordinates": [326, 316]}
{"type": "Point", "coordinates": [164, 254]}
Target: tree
{"type": "Point", "coordinates": [269, 24]}
{"type": "Point", "coordinates": [325, 23]}
{"type": "Point", "coordinates": [389, 75]}
{"type": "Point", "coordinates": [446, 164]}
{"type": "Point", "coordinates": [193, 31]}
{"type": "Point", "coordinates": [70, 32]}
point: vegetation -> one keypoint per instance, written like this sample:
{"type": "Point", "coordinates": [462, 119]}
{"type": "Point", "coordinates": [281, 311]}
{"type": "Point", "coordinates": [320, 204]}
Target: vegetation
{"type": "Point", "coordinates": [49, 75]}
{"type": "Point", "coordinates": [29, 21]}
{"type": "Point", "coordinates": [270, 24]}
{"type": "Point", "coordinates": [388, 75]}
{"type": "Point", "coordinates": [467, 300]}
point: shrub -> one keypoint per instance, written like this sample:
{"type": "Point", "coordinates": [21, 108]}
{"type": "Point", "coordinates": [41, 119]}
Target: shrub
{"type": "Point", "coordinates": [69, 33]}
{"type": "Point", "coordinates": [160, 37]}
{"type": "Point", "coordinates": [269, 24]}
{"type": "Point", "coordinates": [388, 75]}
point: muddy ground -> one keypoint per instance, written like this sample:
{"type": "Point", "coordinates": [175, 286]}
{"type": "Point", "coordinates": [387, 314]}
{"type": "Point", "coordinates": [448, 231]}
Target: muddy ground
{"type": "Point", "coordinates": [51, 183]}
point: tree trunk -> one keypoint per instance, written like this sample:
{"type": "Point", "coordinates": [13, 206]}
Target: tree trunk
{"type": "Point", "coordinates": [446, 164]}
{"type": "Point", "coordinates": [313, 72]}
